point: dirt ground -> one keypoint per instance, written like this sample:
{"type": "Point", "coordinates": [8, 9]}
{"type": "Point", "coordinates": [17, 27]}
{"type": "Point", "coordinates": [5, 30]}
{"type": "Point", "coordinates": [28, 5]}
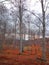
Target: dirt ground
{"type": "Point", "coordinates": [28, 57]}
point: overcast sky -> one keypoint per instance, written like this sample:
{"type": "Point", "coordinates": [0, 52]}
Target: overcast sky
{"type": "Point", "coordinates": [32, 5]}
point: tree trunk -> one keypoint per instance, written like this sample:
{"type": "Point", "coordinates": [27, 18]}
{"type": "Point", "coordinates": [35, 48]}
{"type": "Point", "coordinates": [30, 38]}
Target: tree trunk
{"type": "Point", "coordinates": [29, 30]}
{"type": "Point", "coordinates": [4, 32]}
{"type": "Point", "coordinates": [15, 36]}
{"type": "Point", "coordinates": [24, 36]}
{"type": "Point", "coordinates": [43, 33]}
{"type": "Point", "coordinates": [20, 13]}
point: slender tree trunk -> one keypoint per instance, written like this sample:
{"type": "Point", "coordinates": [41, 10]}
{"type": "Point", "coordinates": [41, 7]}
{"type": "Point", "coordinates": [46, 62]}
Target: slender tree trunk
{"type": "Point", "coordinates": [39, 32]}
{"type": "Point", "coordinates": [20, 13]}
{"type": "Point", "coordinates": [15, 36]}
{"type": "Point", "coordinates": [29, 30]}
{"type": "Point", "coordinates": [43, 33]}
{"type": "Point", "coordinates": [4, 32]}
{"type": "Point", "coordinates": [24, 36]}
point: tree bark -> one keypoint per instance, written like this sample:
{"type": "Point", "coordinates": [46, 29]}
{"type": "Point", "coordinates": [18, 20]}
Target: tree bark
{"type": "Point", "coordinates": [4, 32]}
{"type": "Point", "coordinates": [43, 33]}
{"type": "Point", "coordinates": [20, 13]}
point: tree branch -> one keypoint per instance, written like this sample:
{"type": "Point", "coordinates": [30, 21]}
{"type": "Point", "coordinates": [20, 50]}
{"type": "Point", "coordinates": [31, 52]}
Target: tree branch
{"type": "Point", "coordinates": [34, 15]}
{"type": "Point", "coordinates": [46, 6]}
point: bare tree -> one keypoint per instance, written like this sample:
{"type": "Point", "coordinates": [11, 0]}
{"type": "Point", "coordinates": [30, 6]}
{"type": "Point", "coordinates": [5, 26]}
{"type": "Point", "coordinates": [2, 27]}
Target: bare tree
{"type": "Point", "coordinates": [43, 32]}
{"type": "Point", "coordinates": [3, 17]}
{"type": "Point", "coordinates": [44, 7]}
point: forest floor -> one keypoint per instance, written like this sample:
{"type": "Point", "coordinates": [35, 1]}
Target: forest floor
{"type": "Point", "coordinates": [28, 57]}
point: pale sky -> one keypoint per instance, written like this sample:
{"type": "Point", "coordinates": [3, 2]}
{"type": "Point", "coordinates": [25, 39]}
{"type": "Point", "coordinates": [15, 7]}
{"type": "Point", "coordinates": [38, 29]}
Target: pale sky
{"type": "Point", "coordinates": [32, 5]}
